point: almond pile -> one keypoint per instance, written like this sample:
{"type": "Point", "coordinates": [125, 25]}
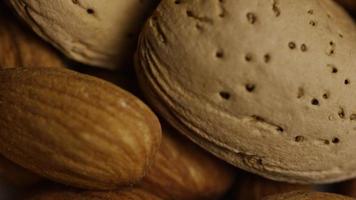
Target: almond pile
{"type": "Point", "coordinates": [177, 100]}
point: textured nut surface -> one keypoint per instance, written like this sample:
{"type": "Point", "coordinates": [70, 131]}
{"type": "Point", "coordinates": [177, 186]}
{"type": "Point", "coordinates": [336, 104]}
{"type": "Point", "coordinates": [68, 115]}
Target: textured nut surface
{"type": "Point", "coordinates": [308, 196]}
{"type": "Point", "coordinates": [264, 85]}
{"type": "Point", "coordinates": [96, 32]}
{"type": "Point", "coordinates": [70, 194]}
{"type": "Point", "coordinates": [75, 129]}
{"type": "Point", "coordinates": [182, 170]}
{"type": "Point", "coordinates": [19, 48]}
{"type": "Point", "coordinates": [254, 187]}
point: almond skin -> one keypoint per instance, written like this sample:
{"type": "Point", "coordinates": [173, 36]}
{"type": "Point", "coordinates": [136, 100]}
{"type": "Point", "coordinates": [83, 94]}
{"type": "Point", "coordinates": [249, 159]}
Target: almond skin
{"type": "Point", "coordinates": [71, 194]}
{"type": "Point", "coordinates": [182, 170]}
{"type": "Point", "coordinates": [252, 187]}
{"type": "Point", "coordinates": [307, 196]}
{"type": "Point", "coordinates": [19, 47]}
{"type": "Point", "coordinates": [75, 129]}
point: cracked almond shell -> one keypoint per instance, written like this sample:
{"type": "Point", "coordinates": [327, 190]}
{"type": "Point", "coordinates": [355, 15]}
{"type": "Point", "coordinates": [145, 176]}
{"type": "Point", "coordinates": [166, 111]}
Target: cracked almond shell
{"type": "Point", "coordinates": [102, 33]}
{"type": "Point", "coordinates": [265, 85]}
{"type": "Point", "coordinates": [75, 129]}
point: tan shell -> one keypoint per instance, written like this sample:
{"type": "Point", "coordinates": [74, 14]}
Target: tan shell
{"type": "Point", "coordinates": [265, 85]}
{"type": "Point", "coordinates": [75, 129]}
{"type": "Point", "coordinates": [308, 196]}
{"type": "Point", "coordinates": [252, 187]}
{"type": "Point", "coordinates": [96, 32]}
{"type": "Point", "coordinates": [70, 194]}
{"type": "Point", "coordinates": [19, 47]}
{"type": "Point", "coordinates": [183, 170]}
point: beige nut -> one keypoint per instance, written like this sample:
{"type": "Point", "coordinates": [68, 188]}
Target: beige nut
{"type": "Point", "coordinates": [96, 32]}
{"type": "Point", "coordinates": [264, 85]}
{"type": "Point", "coordinates": [75, 129]}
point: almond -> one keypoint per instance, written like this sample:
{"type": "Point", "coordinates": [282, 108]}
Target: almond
{"type": "Point", "coordinates": [20, 48]}
{"type": "Point", "coordinates": [183, 170]}
{"type": "Point", "coordinates": [307, 196]}
{"type": "Point", "coordinates": [75, 129]}
{"type": "Point", "coordinates": [102, 33]}
{"type": "Point", "coordinates": [71, 194]}
{"type": "Point", "coordinates": [265, 85]}
{"type": "Point", "coordinates": [252, 187]}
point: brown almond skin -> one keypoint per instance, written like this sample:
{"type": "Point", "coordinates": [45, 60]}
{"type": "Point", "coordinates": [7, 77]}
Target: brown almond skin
{"type": "Point", "coordinates": [75, 129]}
{"type": "Point", "coordinates": [17, 175]}
{"type": "Point", "coordinates": [307, 196]}
{"type": "Point", "coordinates": [71, 194]}
{"type": "Point", "coordinates": [19, 47]}
{"type": "Point", "coordinates": [253, 187]}
{"type": "Point", "coordinates": [182, 170]}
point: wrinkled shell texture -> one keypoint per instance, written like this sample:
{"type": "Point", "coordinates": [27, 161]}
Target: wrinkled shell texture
{"type": "Point", "coordinates": [266, 85]}
{"type": "Point", "coordinates": [123, 194]}
{"type": "Point", "coordinates": [19, 49]}
{"type": "Point", "coordinates": [308, 196]}
{"type": "Point", "coordinates": [95, 32]}
{"type": "Point", "coordinates": [75, 129]}
{"type": "Point", "coordinates": [183, 170]}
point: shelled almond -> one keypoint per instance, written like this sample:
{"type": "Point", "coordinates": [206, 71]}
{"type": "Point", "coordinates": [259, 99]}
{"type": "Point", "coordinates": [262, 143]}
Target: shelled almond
{"type": "Point", "coordinates": [75, 129]}
{"type": "Point", "coordinates": [16, 175]}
